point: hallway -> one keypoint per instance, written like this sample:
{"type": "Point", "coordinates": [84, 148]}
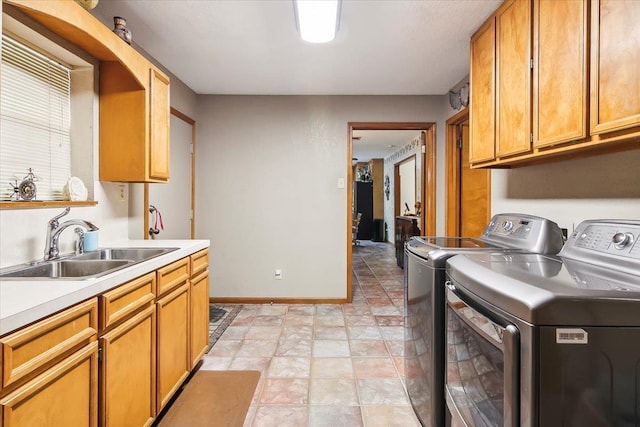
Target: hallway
{"type": "Point", "coordinates": [326, 364]}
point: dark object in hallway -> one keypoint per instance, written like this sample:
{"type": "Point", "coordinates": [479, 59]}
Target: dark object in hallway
{"type": "Point", "coordinates": [406, 226]}
{"type": "Point", "coordinates": [377, 234]}
{"type": "Point", "coordinates": [363, 203]}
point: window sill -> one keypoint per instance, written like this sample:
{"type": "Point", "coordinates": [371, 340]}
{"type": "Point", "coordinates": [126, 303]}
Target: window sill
{"type": "Point", "coordinates": [44, 204]}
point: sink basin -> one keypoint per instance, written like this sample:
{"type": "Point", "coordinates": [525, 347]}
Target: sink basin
{"type": "Point", "coordinates": [131, 254]}
{"type": "Point", "coordinates": [84, 266]}
{"type": "Point", "coordinates": [68, 269]}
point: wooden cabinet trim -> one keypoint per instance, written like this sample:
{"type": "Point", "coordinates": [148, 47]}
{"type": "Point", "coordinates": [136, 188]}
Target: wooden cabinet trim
{"type": "Point", "coordinates": [124, 300]}
{"type": "Point", "coordinates": [172, 275]}
{"type": "Point", "coordinates": [199, 261]}
{"type": "Point", "coordinates": [18, 397]}
{"type": "Point", "coordinates": [41, 344]}
{"type": "Point", "coordinates": [159, 111]}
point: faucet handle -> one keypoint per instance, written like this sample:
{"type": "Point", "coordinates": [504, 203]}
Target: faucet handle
{"type": "Point", "coordinates": [55, 219]}
{"type": "Point", "coordinates": [80, 242]}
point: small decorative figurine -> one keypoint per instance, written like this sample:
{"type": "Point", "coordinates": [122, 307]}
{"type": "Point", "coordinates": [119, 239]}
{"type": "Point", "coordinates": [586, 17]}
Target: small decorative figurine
{"type": "Point", "coordinates": [120, 28]}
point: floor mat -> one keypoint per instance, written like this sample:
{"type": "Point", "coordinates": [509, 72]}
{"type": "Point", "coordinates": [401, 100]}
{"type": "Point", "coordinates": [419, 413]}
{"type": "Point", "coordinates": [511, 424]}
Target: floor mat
{"type": "Point", "coordinates": [220, 317]}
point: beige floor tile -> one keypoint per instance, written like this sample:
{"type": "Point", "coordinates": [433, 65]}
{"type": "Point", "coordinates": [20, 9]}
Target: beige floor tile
{"type": "Point", "coordinates": [335, 416]}
{"type": "Point", "coordinates": [264, 320]}
{"type": "Point", "coordinates": [360, 320]}
{"type": "Point", "coordinates": [329, 320]}
{"type": "Point", "coordinates": [285, 391]}
{"type": "Point", "coordinates": [364, 333]}
{"type": "Point", "coordinates": [213, 363]}
{"type": "Point", "coordinates": [330, 348]}
{"type": "Point", "coordinates": [250, 364]}
{"type": "Point", "coordinates": [297, 332]}
{"type": "Point", "coordinates": [327, 309]}
{"type": "Point", "coordinates": [289, 367]}
{"type": "Point", "coordinates": [235, 333]}
{"type": "Point", "coordinates": [280, 416]}
{"type": "Point", "coordinates": [329, 333]}
{"type": "Point", "coordinates": [301, 348]}
{"type": "Point", "coordinates": [386, 391]}
{"type": "Point", "coordinates": [305, 309]}
{"type": "Point", "coordinates": [225, 348]}
{"type": "Point", "coordinates": [272, 310]}
{"type": "Point", "coordinates": [374, 367]}
{"type": "Point", "coordinates": [333, 391]}
{"type": "Point", "coordinates": [263, 332]}
{"type": "Point", "coordinates": [368, 348]}
{"type": "Point", "coordinates": [298, 319]}
{"type": "Point", "coordinates": [331, 367]}
{"type": "Point", "coordinates": [389, 416]}
{"type": "Point", "coordinates": [257, 348]}
{"type": "Point", "coordinates": [391, 332]}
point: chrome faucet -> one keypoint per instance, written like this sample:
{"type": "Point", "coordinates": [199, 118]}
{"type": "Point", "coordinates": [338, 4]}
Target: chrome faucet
{"type": "Point", "coordinates": [54, 229]}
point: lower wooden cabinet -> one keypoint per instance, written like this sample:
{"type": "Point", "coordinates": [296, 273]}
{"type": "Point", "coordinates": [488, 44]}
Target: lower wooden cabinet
{"type": "Point", "coordinates": [127, 372]}
{"type": "Point", "coordinates": [199, 297]}
{"type": "Point", "coordinates": [174, 363]}
{"type": "Point", "coordinates": [64, 395]}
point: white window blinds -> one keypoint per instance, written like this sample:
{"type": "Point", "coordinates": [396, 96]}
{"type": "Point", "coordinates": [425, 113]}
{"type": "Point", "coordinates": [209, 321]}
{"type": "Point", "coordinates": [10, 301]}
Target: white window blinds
{"type": "Point", "coordinates": [35, 120]}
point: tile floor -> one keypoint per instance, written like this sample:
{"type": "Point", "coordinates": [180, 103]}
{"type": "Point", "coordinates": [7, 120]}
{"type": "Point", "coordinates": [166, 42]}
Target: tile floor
{"type": "Point", "coordinates": [326, 365]}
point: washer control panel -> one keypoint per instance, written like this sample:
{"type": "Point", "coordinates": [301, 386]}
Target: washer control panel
{"type": "Point", "coordinates": [526, 232]}
{"type": "Point", "coordinates": [605, 242]}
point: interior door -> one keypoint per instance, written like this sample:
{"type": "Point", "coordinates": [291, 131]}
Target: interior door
{"type": "Point", "coordinates": [172, 217]}
{"type": "Point", "coordinates": [474, 191]}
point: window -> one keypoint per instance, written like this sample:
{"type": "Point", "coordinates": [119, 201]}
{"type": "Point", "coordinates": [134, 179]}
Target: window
{"type": "Point", "coordinates": [35, 120]}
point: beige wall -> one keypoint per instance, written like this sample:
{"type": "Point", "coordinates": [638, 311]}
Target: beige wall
{"type": "Point", "coordinates": [267, 193]}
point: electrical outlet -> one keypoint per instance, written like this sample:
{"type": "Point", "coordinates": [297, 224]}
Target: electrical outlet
{"type": "Point", "coordinates": [278, 274]}
{"type": "Point", "coordinates": [122, 197]}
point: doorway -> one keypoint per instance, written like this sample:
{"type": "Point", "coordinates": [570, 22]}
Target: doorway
{"type": "Point", "coordinates": [427, 195]}
{"type": "Point", "coordinates": [468, 192]}
{"type": "Point", "coordinates": [170, 207]}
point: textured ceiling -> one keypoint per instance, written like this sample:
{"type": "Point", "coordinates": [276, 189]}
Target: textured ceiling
{"type": "Point", "coordinates": [402, 47]}
{"type": "Point", "coordinates": [380, 143]}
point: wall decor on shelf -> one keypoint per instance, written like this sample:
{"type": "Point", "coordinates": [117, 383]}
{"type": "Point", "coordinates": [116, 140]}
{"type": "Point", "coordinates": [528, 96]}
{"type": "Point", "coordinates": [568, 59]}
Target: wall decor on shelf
{"type": "Point", "coordinates": [26, 190]}
{"type": "Point", "coordinates": [121, 30]}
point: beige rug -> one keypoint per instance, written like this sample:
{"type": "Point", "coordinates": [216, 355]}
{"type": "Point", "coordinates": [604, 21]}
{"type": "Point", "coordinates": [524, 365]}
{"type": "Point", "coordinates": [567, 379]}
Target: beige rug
{"type": "Point", "coordinates": [213, 398]}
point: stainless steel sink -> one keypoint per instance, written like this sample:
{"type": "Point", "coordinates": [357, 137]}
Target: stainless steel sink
{"type": "Point", "coordinates": [132, 254]}
{"type": "Point", "coordinates": [67, 269]}
{"type": "Point", "coordinates": [83, 266]}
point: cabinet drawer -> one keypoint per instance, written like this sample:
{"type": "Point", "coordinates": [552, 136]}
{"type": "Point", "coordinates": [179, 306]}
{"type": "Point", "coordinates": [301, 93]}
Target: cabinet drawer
{"type": "Point", "coordinates": [119, 303]}
{"type": "Point", "coordinates": [199, 261]}
{"type": "Point", "coordinates": [64, 395]}
{"type": "Point", "coordinates": [43, 343]}
{"type": "Point", "coordinates": [172, 275]}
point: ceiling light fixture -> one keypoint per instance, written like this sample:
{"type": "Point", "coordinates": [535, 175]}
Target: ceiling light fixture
{"type": "Point", "coordinates": [317, 20]}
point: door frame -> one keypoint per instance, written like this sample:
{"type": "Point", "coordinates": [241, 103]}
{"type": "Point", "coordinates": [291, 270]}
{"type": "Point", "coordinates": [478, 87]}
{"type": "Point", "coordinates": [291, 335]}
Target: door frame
{"type": "Point", "coordinates": [452, 174]}
{"type": "Point", "coordinates": [397, 207]}
{"type": "Point", "coordinates": [178, 114]}
{"type": "Point", "coordinates": [428, 183]}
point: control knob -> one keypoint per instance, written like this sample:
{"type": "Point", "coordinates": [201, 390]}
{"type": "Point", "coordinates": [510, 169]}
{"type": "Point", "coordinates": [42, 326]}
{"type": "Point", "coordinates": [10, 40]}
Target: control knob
{"type": "Point", "coordinates": [621, 240]}
{"type": "Point", "coordinates": [507, 226]}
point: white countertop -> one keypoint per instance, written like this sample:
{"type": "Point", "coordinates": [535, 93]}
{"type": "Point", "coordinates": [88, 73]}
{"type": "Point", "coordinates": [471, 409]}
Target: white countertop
{"type": "Point", "coordinates": [25, 301]}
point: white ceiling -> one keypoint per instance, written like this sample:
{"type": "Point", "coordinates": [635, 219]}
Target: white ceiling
{"type": "Point", "coordinates": [401, 47]}
{"type": "Point", "coordinates": [378, 144]}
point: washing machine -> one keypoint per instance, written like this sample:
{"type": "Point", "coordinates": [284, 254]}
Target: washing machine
{"type": "Point", "coordinates": [425, 262]}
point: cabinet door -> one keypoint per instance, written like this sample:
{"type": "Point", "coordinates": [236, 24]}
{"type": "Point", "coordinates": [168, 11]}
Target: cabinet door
{"type": "Point", "coordinates": [615, 65]}
{"type": "Point", "coordinates": [482, 112]}
{"type": "Point", "coordinates": [127, 372]}
{"type": "Point", "coordinates": [199, 297]}
{"type": "Point", "coordinates": [159, 126]}
{"type": "Point", "coordinates": [64, 395]}
{"type": "Point", "coordinates": [560, 82]}
{"type": "Point", "coordinates": [173, 359]}
{"type": "Point", "coordinates": [513, 75]}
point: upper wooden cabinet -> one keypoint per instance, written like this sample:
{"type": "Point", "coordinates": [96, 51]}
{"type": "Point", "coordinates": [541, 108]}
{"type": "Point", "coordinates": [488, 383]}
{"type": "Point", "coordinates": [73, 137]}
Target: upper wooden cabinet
{"type": "Point", "coordinates": [513, 78]}
{"type": "Point", "coordinates": [159, 126]}
{"type": "Point", "coordinates": [482, 112]}
{"type": "Point", "coordinates": [134, 94]}
{"type": "Point", "coordinates": [542, 103]}
{"type": "Point", "coordinates": [501, 84]}
{"type": "Point", "coordinates": [615, 65]}
{"type": "Point", "coordinates": [560, 79]}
